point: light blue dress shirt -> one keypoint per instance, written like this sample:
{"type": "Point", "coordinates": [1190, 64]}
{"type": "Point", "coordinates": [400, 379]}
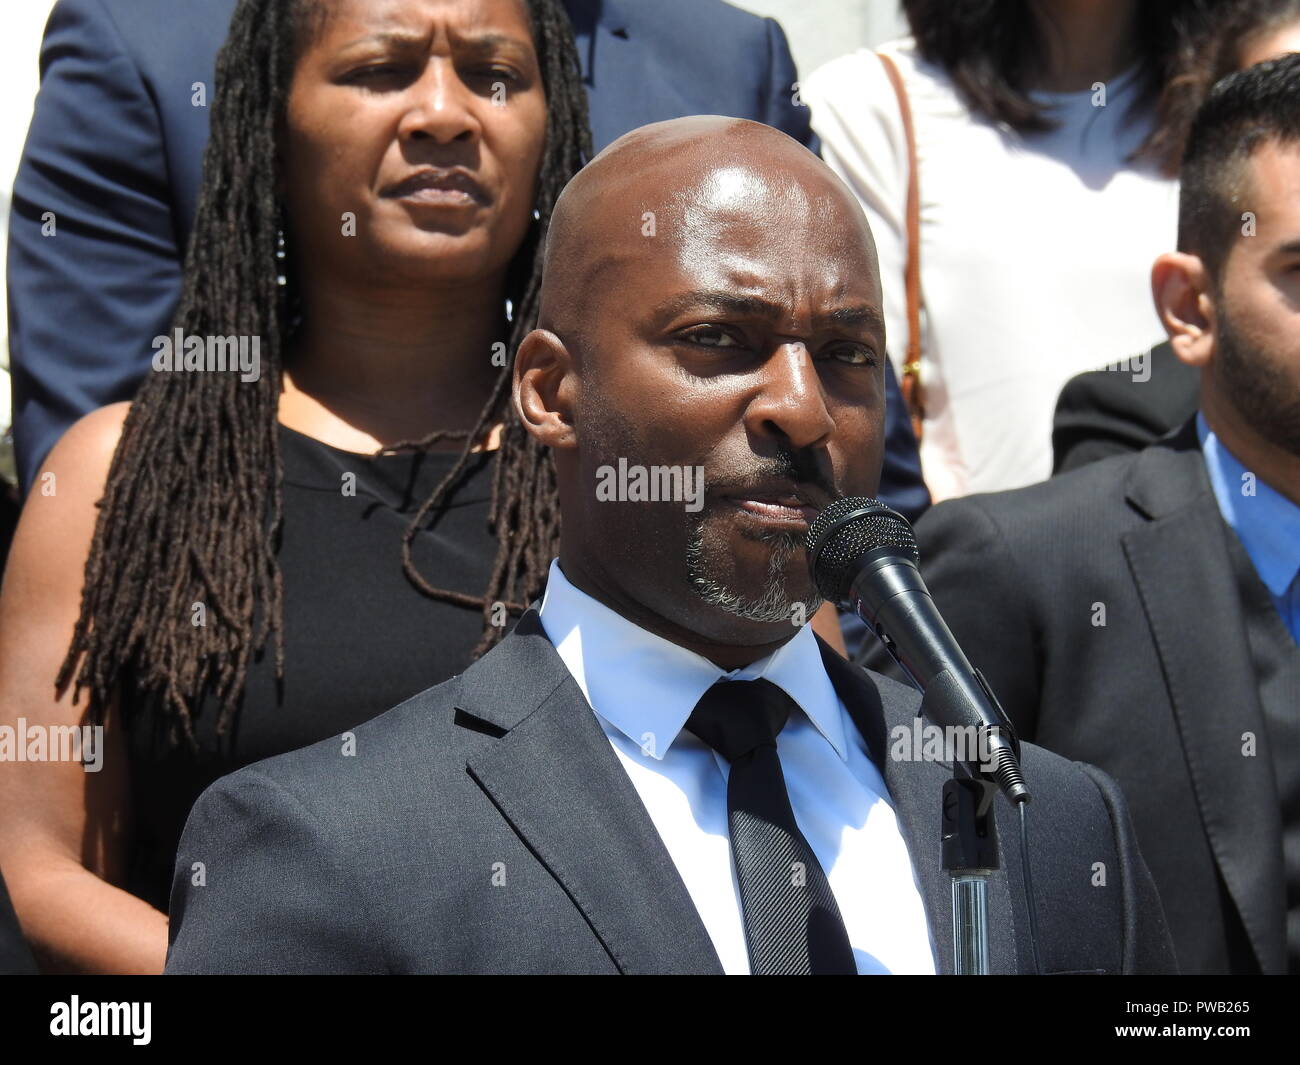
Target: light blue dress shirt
{"type": "Point", "coordinates": [1265, 521]}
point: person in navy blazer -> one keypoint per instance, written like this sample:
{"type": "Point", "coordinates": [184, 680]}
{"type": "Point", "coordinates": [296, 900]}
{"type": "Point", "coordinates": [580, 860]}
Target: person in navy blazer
{"type": "Point", "coordinates": [107, 186]}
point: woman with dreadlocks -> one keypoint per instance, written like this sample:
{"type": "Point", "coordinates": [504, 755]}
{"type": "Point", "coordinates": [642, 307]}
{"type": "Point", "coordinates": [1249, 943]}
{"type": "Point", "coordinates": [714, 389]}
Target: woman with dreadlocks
{"type": "Point", "coordinates": [244, 561]}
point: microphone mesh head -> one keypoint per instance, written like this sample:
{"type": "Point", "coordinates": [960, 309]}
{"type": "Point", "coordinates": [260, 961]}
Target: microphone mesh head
{"type": "Point", "coordinates": [844, 532]}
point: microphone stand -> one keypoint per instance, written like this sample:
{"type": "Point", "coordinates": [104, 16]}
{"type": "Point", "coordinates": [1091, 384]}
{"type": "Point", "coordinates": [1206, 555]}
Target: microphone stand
{"type": "Point", "coordinates": [970, 854]}
{"type": "Point", "coordinates": [969, 830]}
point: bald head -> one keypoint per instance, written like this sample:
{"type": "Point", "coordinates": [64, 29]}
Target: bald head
{"type": "Point", "coordinates": [672, 192]}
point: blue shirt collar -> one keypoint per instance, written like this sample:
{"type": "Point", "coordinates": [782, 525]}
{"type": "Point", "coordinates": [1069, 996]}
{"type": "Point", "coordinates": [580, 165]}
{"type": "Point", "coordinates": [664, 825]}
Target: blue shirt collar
{"type": "Point", "coordinates": [1265, 521]}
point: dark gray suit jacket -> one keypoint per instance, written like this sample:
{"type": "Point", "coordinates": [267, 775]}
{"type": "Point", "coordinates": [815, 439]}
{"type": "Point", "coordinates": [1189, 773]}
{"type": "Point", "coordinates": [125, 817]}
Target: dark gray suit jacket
{"type": "Point", "coordinates": [1158, 690]}
{"type": "Point", "coordinates": [487, 826]}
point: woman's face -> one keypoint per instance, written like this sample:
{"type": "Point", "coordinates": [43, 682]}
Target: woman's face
{"type": "Point", "coordinates": [413, 138]}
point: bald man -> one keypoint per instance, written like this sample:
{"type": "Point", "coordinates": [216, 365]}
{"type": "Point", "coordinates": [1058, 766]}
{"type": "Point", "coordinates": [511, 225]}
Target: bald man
{"type": "Point", "coordinates": [662, 769]}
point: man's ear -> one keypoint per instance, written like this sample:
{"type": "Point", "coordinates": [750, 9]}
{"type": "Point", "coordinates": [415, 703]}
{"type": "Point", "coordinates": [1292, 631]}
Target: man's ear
{"type": "Point", "coordinates": [1180, 286]}
{"type": "Point", "coordinates": [544, 389]}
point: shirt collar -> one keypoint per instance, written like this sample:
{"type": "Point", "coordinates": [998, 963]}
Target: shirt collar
{"type": "Point", "coordinates": [646, 686]}
{"type": "Point", "coordinates": [1265, 521]}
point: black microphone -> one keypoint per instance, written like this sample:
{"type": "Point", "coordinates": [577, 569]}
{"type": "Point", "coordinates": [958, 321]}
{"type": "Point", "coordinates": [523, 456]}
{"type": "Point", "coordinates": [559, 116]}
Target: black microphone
{"type": "Point", "coordinates": [863, 555]}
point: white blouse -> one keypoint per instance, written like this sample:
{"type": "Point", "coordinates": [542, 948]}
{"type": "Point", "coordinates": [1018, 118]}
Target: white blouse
{"type": "Point", "coordinates": [1036, 251]}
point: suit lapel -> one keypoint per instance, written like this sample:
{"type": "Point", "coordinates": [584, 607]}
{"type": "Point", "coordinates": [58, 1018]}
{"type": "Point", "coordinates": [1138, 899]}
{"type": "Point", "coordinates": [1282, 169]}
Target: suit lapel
{"type": "Point", "coordinates": [556, 779]}
{"type": "Point", "coordinates": [916, 789]}
{"type": "Point", "coordinates": [1185, 581]}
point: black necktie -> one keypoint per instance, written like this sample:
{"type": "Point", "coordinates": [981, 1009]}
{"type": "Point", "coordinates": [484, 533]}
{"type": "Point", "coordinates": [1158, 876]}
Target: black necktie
{"type": "Point", "coordinates": [792, 924]}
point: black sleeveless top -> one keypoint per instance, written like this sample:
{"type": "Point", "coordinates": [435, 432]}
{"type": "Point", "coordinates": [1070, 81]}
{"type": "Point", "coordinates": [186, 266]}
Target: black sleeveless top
{"type": "Point", "coordinates": [359, 638]}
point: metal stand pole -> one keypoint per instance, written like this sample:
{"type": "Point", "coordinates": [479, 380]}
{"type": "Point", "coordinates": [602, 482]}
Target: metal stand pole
{"type": "Point", "coordinates": [970, 854]}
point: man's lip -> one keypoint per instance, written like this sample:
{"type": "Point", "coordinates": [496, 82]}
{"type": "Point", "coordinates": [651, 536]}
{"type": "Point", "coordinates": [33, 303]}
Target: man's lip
{"type": "Point", "coordinates": [797, 496]}
{"type": "Point", "coordinates": [772, 512]}
{"type": "Point", "coordinates": [454, 179]}
{"type": "Point", "coordinates": [782, 504]}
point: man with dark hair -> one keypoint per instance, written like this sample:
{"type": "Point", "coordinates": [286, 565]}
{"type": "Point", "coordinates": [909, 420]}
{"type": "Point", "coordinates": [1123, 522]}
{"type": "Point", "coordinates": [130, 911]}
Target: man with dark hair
{"type": "Point", "coordinates": [662, 769]}
{"type": "Point", "coordinates": [1142, 613]}
{"type": "Point", "coordinates": [106, 190]}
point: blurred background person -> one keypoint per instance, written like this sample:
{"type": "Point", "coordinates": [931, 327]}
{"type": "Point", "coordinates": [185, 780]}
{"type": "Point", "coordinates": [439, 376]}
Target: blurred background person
{"type": "Point", "coordinates": [18, 81]}
{"type": "Point", "coordinates": [376, 188]}
{"type": "Point", "coordinates": [1138, 400]}
{"type": "Point", "coordinates": [1039, 210]}
{"type": "Point", "coordinates": [1142, 613]}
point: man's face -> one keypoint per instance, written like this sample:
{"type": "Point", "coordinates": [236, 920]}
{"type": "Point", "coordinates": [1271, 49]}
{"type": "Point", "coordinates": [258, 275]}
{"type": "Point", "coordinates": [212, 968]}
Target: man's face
{"type": "Point", "coordinates": [741, 334]}
{"type": "Point", "coordinates": [1255, 368]}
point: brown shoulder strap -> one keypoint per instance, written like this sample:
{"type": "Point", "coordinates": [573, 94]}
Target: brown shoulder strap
{"type": "Point", "coordinates": [911, 382]}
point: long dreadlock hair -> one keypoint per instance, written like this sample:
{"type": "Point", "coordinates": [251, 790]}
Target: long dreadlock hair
{"type": "Point", "coordinates": [192, 509]}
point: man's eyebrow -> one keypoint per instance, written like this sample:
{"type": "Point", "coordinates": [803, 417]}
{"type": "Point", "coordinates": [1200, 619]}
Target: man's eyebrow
{"type": "Point", "coordinates": [720, 301]}
{"type": "Point", "coordinates": [755, 306]}
{"type": "Point", "coordinates": [856, 317]}
{"type": "Point", "coordinates": [1291, 247]}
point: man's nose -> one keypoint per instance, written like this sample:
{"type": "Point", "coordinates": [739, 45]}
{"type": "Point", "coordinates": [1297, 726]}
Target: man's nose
{"type": "Point", "coordinates": [791, 401]}
{"type": "Point", "coordinates": [441, 106]}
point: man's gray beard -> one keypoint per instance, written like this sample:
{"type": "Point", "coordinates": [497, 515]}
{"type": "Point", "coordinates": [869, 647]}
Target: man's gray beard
{"type": "Point", "coordinates": [771, 606]}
